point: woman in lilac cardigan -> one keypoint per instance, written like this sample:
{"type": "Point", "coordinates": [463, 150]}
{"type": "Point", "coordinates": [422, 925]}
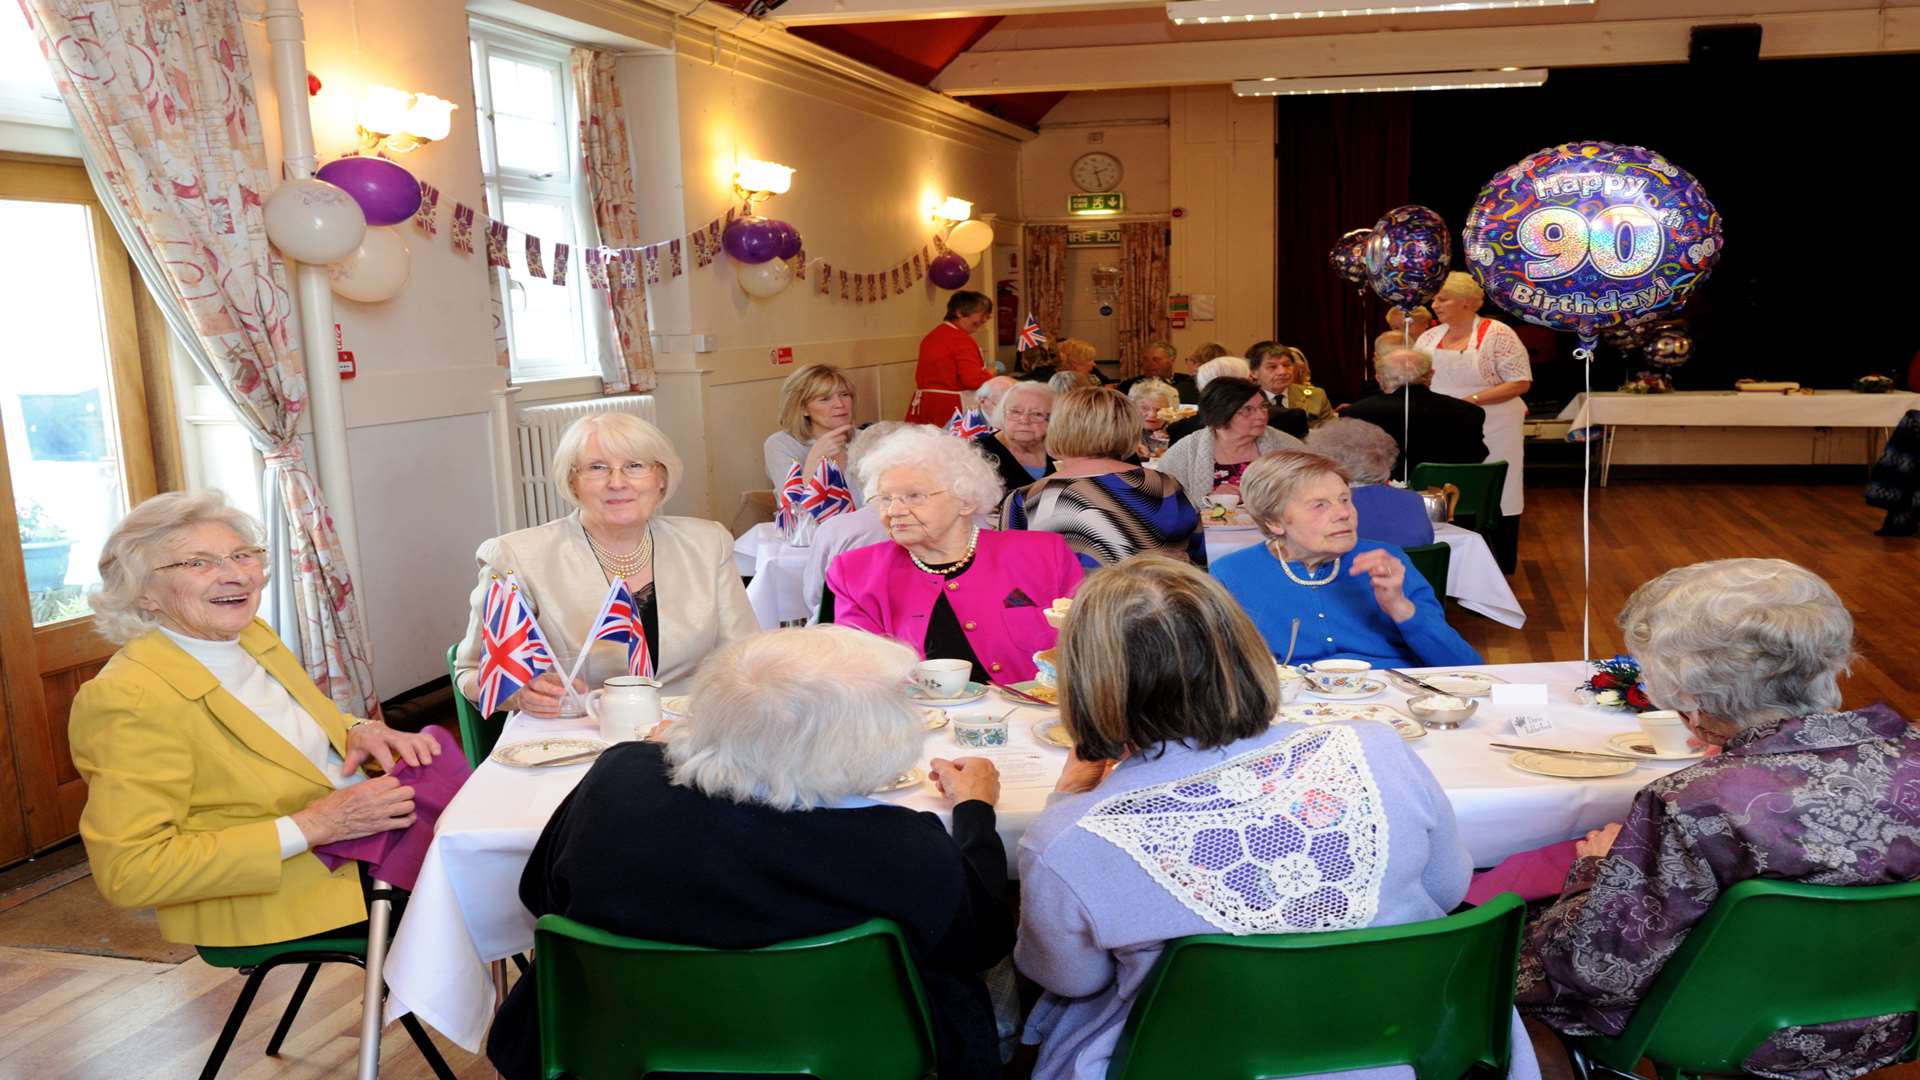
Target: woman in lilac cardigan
{"type": "Point", "coordinates": [942, 584]}
{"type": "Point", "coordinates": [1215, 821]}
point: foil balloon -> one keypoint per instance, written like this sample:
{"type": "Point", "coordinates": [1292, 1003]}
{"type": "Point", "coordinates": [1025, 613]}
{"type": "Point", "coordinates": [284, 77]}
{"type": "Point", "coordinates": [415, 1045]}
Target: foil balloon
{"type": "Point", "coordinates": [949, 271]}
{"type": "Point", "coordinates": [1670, 348]}
{"type": "Point", "coordinates": [1408, 256]}
{"type": "Point", "coordinates": [1589, 235]}
{"type": "Point", "coordinates": [1349, 256]}
{"type": "Point", "coordinates": [753, 240]}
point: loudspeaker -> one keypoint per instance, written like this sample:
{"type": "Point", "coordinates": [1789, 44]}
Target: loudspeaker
{"type": "Point", "coordinates": [1725, 45]}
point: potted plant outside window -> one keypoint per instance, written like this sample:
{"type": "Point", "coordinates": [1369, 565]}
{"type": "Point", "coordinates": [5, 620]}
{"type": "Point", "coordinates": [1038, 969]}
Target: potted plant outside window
{"type": "Point", "coordinates": [44, 545]}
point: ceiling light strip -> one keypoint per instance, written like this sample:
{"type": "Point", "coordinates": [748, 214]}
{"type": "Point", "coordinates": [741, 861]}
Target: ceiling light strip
{"type": "Point", "coordinates": [1504, 79]}
{"type": "Point", "coordinates": [1209, 12]}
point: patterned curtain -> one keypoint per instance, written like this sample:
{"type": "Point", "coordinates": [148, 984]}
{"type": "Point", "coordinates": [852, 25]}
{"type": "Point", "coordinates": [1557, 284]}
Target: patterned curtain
{"type": "Point", "coordinates": [1144, 284]}
{"type": "Point", "coordinates": [609, 168]}
{"type": "Point", "coordinates": [1047, 277]}
{"type": "Point", "coordinates": [162, 99]}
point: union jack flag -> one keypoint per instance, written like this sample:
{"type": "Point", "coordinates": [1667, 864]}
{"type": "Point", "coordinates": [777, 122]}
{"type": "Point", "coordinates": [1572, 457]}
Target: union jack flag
{"type": "Point", "coordinates": [1031, 336]}
{"type": "Point", "coordinates": [968, 424]}
{"type": "Point", "coordinates": [512, 650]}
{"type": "Point", "coordinates": [620, 621]}
{"type": "Point", "coordinates": [820, 496]}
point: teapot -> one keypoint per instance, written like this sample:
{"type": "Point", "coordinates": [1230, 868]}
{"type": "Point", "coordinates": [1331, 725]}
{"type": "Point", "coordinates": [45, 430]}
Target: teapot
{"type": "Point", "coordinates": [1441, 502]}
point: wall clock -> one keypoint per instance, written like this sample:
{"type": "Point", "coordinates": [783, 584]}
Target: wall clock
{"type": "Point", "coordinates": [1097, 171]}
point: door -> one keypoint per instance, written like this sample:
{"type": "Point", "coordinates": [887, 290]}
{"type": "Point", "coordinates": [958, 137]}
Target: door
{"type": "Point", "coordinates": [75, 454]}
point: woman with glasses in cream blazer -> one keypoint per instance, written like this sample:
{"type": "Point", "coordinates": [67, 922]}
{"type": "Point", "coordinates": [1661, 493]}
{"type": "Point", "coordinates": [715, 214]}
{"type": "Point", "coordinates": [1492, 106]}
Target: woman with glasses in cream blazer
{"type": "Point", "coordinates": [616, 470]}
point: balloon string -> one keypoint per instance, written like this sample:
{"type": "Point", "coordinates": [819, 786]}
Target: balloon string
{"type": "Point", "coordinates": [1584, 354]}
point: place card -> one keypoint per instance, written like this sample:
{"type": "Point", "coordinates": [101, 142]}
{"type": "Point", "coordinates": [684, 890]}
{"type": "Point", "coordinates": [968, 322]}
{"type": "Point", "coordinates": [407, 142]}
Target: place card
{"type": "Point", "coordinates": [1531, 725]}
{"type": "Point", "coordinates": [1519, 693]}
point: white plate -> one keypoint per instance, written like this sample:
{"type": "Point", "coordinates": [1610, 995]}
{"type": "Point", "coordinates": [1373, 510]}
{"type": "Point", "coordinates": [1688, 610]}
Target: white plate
{"type": "Point", "coordinates": [1366, 689]}
{"type": "Point", "coordinates": [1571, 768]}
{"type": "Point", "coordinates": [1462, 683]}
{"type": "Point", "coordinates": [1635, 743]}
{"type": "Point", "coordinates": [1052, 732]}
{"type": "Point", "coordinates": [1313, 712]}
{"type": "Point", "coordinates": [911, 778]}
{"type": "Point", "coordinates": [675, 705]}
{"type": "Point", "coordinates": [974, 692]}
{"type": "Point", "coordinates": [933, 719]}
{"type": "Point", "coordinates": [536, 753]}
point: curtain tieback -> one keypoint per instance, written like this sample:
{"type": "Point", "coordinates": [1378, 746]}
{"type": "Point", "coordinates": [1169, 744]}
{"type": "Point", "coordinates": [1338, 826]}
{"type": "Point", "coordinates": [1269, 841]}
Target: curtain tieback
{"type": "Point", "coordinates": [286, 454]}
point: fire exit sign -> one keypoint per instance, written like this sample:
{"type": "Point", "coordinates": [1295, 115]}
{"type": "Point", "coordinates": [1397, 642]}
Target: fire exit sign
{"type": "Point", "coordinates": [1095, 203]}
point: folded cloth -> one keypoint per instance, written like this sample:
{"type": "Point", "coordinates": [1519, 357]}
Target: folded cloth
{"type": "Point", "coordinates": [1535, 874]}
{"type": "Point", "coordinates": [395, 856]}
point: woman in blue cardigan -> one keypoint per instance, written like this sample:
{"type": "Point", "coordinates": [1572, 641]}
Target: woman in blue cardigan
{"type": "Point", "coordinates": [1355, 599]}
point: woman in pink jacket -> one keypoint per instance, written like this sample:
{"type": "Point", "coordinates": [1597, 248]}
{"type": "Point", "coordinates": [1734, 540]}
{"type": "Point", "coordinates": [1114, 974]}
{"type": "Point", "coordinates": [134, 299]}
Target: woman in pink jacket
{"type": "Point", "coordinates": [943, 584]}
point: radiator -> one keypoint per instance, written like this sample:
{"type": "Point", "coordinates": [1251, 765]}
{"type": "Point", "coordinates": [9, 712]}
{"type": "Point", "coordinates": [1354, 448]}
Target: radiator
{"type": "Point", "coordinates": [536, 431]}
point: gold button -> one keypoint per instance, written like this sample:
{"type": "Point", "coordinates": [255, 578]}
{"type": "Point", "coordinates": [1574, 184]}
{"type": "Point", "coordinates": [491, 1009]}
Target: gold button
{"type": "Point", "coordinates": [951, 585]}
{"type": "Point", "coordinates": [996, 667]}
{"type": "Point", "coordinates": [970, 626]}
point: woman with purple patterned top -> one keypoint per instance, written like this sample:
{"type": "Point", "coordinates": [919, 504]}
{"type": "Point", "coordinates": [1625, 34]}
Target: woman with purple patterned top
{"type": "Point", "coordinates": [1750, 651]}
{"type": "Point", "coordinates": [1216, 821]}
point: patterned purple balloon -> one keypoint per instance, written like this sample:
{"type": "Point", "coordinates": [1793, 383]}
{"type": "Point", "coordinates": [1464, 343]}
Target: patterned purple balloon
{"type": "Point", "coordinates": [1349, 256]}
{"type": "Point", "coordinates": [387, 193]}
{"type": "Point", "coordinates": [1408, 256]}
{"type": "Point", "coordinates": [1589, 235]}
{"type": "Point", "coordinates": [789, 240]}
{"type": "Point", "coordinates": [751, 240]}
{"type": "Point", "coordinates": [1670, 348]}
{"type": "Point", "coordinates": [949, 271]}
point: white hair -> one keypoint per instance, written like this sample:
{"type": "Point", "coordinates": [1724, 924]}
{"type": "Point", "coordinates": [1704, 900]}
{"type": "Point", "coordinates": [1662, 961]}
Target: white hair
{"type": "Point", "coordinates": [1025, 386]}
{"type": "Point", "coordinates": [989, 393]}
{"type": "Point", "coordinates": [1235, 366]}
{"type": "Point", "coordinates": [621, 435]}
{"type": "Point", "coordinates": [969, 476]}
{"type": "Point", "coordinates": [798, 718]}
{"type": "Point", "coordinates": [136, 546]}
{"type": "Point", "coordinates": [1155, 388]}
{"type": "Point", "coordinates": [1742, 640]}
{"type": "Point", "coordinates": [1366, 451]}
{"type": "Point", "coordinates": [1401, 365]}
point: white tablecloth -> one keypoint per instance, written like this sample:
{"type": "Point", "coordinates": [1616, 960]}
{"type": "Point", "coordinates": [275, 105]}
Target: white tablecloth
{"type": "Point", "coordinates": [775, 593]}
{"type": "Point", "coordinates": [1473, 577]}
{"type": "Point", "coordinates": [466, 912]}
{"type": "Point", "coordinates": [1729, 408]}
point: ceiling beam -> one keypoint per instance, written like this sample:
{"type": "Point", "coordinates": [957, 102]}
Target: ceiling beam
{"type": "Point", "coordinates": [1587, 44]}
{"type": "Point", "coordinates": [815, 12]}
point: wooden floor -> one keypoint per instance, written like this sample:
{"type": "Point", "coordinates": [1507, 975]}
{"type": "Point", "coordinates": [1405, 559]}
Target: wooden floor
{"type": "Point", "coordinates": [72, 1016]}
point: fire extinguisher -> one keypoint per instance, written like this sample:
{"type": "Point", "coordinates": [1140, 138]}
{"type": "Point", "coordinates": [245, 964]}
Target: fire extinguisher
{"type": "Point", "coordinates": [1006, 304]}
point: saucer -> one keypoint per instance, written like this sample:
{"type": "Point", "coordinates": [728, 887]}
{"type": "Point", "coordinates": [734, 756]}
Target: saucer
{"type": "Point", "coordinates": [1635, 743]}
{"type": "Point", "coordinates": [1053, 732]}
{"type": "Point", "coordinates": [1318, 713]}
{"type": "Point", "coordinates": [675, 705]}
{"type": "Point", "coordinates": [974, 692]}
{"type": "Point", "coordinates": [1360, 688]}
{"type": "Point", "coordinates": [539, 753]}
{"type": "Point", "coordinates": [1569, 768]}
{"type": "Point", "coordinates": [1470, 684]}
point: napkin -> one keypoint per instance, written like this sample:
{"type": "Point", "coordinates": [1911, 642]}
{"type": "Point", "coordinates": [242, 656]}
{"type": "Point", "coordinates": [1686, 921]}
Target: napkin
{"type": "Point", "coordinates": [395, 856]}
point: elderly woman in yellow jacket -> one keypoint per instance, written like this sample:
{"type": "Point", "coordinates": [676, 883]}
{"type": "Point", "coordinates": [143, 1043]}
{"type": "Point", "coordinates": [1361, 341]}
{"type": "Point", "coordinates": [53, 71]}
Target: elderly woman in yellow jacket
{"type": "Point", "coordinates": [213, 763]}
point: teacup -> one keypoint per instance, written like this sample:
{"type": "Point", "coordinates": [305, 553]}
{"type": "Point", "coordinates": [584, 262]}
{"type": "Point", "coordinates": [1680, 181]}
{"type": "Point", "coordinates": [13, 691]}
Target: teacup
{"type": "Point", "coordinates": [1292, 682]}
{"type": "Point", "coordinates": [1337, 682]}
{"type": "Point", "coordinates": [1666, 731]}
{"type": "Point", "coordinates": [1227, 499]}
{"type": "Point", "coordinates": [978, 729]}
{"type": "Point", "coordinates": [1341, 667]}
{"type": "Point", "coordinates": [942, 678]}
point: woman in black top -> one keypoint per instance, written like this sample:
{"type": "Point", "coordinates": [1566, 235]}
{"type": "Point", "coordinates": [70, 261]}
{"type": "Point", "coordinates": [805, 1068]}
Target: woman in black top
{"type": "Point", "coordinates": [1017, 445]}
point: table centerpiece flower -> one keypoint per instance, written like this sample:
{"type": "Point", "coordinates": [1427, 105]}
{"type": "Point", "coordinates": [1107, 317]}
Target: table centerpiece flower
{"type": "Point", "coordinates": [1615, 684]}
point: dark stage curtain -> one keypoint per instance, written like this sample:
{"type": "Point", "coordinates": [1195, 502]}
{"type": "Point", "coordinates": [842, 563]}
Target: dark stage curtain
{"type": "Point", "coordinates": [1343, 161]}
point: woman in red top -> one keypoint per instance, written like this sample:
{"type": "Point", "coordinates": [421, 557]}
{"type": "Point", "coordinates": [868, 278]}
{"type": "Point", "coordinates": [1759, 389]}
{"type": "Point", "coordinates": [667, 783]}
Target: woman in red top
{"type": "Point", "coordinates": [950, 360]}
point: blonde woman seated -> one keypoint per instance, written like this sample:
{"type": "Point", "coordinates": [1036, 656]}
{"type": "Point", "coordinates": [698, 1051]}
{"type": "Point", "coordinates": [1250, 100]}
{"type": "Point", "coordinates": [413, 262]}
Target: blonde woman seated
{"type": "Point", "coordinates": [214, 765]}
{"type": "Point", "coordinates": [1164, 672]}
{"type": "Point", "coordinates": [615, 470]}
{"type": "Point", "coordinates": [942, 584]}
{"type": "Point", "coordinates": [807, 458]}
{"type": "Point", "coordinates": [1105, 508]}
{"type": "Point", "coordinates": [1353, 599]}
{"type": "Point", "coordinates": [1072, 355]}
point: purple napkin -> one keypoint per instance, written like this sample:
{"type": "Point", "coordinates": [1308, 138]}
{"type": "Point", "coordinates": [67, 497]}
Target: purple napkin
{"type": "Point", "coordinates": [395, 856]}
{"type": "Point", "coordinates": [1535, 874]}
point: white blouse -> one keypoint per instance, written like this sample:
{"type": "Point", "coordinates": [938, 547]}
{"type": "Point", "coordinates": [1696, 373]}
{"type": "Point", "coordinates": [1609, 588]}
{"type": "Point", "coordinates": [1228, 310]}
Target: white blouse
{"type": "Point", "coordinates": [1502, 357]}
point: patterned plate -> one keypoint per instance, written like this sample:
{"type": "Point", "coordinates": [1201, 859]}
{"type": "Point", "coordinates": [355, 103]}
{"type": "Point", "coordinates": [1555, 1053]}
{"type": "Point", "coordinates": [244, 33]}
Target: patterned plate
{"type": "Point", "coordinates": [1633, 742]}
{"type": "Point", "coordinates": [675, 705]}
{"type": "Point", "coordinates": [1463, 683]}
{"type": "Point", "coordinates": [546, 753]}
{"type": "Point", "coordinates": [933, 719]}
{"type": "Point", "coordinates": [911, 778]}
{"type": "Point", "coordinates": [1053, 732]}
{"type": "Point", "coordinates": [974, 692]}
{"type": "Point", "coordinates": [1571, 768]}
{"type": "Point", "coordinates": [1032, 688]}
{"type": "Point", "coordinates": [1315, 712]}
{"type": "Point", "coordinates": [1361, 688]}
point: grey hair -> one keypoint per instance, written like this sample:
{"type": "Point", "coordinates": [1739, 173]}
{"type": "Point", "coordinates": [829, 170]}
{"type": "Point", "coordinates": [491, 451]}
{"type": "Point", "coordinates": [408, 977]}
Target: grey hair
{"type": "Point", "coordinates": [992, 391]}
{"type": "Point", "coordinates": [1064, 382]}
{"type": "Point", "coordinates": [1367, 452]}
{"type": "Point", "coordinates": [869, 438]}
{"type": "Point", "coordinates": [969, 476]}
{"type": "Point", "coordinates": [622, 435]}
{"type": "Point", "coordinates": [1741, 640]}
{"type": "Point", "coordinates": [1235, 366]}
{"type": "Point", "coordinates": [1024, 386]}
{"type": "Point", "coordinates": [133, 549]}
{"type": "Point", "coordinates": [1399, 366]}
{"type": "Point", "coordinates": [798, 718]}
{"type": "Point", "coordinates": [1269, 483]}
{"type": "Point", "coordinates": [1158, 388]}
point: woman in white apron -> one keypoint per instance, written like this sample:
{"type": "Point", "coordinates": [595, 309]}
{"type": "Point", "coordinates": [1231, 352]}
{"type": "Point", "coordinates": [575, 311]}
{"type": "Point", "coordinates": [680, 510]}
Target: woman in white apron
{"type": "Point", "coordinates": [1483, 361]}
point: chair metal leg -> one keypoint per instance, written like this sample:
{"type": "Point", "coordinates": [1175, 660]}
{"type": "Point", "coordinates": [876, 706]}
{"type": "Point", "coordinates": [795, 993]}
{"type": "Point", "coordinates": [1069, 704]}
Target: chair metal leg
{"type": "Point", "coordinates": [293, 1009]}
{"type": "Point", "coordinates": [225, 1042]}
{"type": "Point", "coordinates": [374, 995]}
{"type": "Point", "coordinates": [427, 1050]}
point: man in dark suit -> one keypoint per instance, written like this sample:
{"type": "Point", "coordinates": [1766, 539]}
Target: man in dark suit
{"type": "Point", "coordinates": [1444, 429]}
{"type": "Point", "coordinates": [1157, 363]}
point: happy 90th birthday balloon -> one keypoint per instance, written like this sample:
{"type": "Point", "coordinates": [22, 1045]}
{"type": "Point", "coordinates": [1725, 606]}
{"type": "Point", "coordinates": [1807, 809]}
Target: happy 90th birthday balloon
{"type": "Point", "coordinates": [1591, 235]}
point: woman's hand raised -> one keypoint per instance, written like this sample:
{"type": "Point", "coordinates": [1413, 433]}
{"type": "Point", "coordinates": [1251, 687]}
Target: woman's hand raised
{"type": "Point", "coordinates": [1389, 576]}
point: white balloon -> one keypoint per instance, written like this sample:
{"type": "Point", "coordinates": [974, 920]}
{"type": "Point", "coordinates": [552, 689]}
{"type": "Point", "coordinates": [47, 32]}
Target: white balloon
{"type": "Point", "coordinates": [970, 238]}
{"type": "Point", "coordinates": [311, 221]}
{"type": "Point", "coordinates": [377, 271]}
{"type": "Point", "coordinates": [762, 280]}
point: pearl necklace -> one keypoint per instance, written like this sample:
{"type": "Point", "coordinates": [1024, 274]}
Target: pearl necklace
{"type": "Point", "coordinates": [628, 564]}
{"type": "Point", "coordinates": [964, 559]}
{"type": "Point", "coordinates": [1334, 572]}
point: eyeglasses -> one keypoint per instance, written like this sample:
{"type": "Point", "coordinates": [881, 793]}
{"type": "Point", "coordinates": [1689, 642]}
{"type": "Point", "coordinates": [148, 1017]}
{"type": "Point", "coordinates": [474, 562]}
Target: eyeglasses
{"type": "Point", "coordinates": [1023, 414]}
{"type": "Point", "coordinates": [912, 500]}
{"type": "Point", "coordinates": [1256, 407]}
{"type": "Point", "coordinates": [246, 558]}
{"type": "Point", "coordinates": [600, 472]}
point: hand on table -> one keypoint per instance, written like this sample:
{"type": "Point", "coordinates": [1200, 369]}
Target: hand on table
{"type": "Point", "coordinates": [373, 806]}
{"type": "Point", "coordinates": [966, 778]}
{"type": "Point", "coordinates": [1389, 576]}
{"type": "Point", "coordinates": [543, 696]}
{"type": "Point", "coordinates": [383, 744]}
{"type": "Point", "coordinates": [1598, 842]}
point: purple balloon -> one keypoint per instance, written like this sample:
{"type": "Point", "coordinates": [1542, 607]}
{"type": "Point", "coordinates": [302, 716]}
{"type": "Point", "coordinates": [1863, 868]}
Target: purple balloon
{"type": "Point", "coordinates": [387, 193]}
{"type": "Point", "coordinates": [751, 240]}
{"type": "Point", "coordinates": [949, 271]}
{"type": "Point", "coordinates": [1408, 256]}
{"type": "Point", "coordinates": [789, 240]}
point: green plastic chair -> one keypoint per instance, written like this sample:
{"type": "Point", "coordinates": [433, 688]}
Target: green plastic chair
{"type": "Point", "coordinates": [1479, 485]}
{"type": "Point", "coordinates": [477, 733]}
{"type": "Point", "coordinates": [1769, 954]}
{"type": "Point", "coordinates": [1432, 561]}
{"type": "Point", "coordinates": [1436, 995]}
{"type": "Point", "coordinates": [843, 1006]}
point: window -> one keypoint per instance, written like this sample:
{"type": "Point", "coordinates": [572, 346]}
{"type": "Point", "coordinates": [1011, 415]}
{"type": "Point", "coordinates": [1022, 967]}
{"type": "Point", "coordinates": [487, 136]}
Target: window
{"type": "Point", "coordinates": [529, 156]}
